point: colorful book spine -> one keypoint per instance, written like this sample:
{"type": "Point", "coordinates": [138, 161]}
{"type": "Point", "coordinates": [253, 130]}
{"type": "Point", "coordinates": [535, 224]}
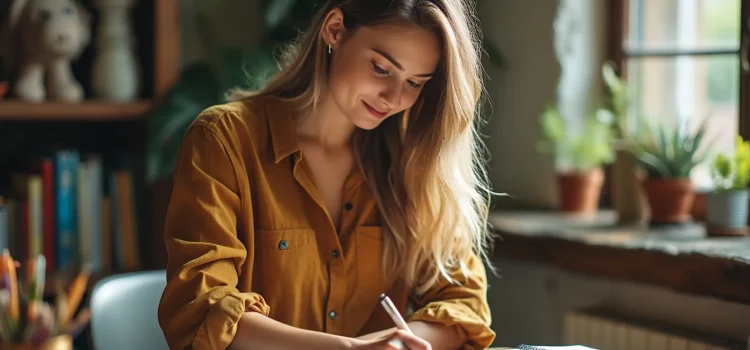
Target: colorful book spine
{"type": "Point", "coordinates": [94, 201]}
{"type": "Point", "coordinates": [66, 165]}
{"type": "Point", "coordinates": [36, 232]}
{"type": "Point", "coordinates": [46, 168]}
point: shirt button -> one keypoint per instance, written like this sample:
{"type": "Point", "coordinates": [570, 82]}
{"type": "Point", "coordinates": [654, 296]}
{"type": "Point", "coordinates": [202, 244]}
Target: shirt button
{"type": "Point", "coordinates": [348, 206]}
{"type": "Point", "coordinates": [336, 253]}
{"type": "Point", "coordinates": [283, 245]}
{"type": "Point", "coordinates": [332, 314]}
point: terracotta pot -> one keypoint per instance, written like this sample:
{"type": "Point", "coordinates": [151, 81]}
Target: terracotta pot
{"type": "Point", "coordinates": [579, 192]}
{"type": "Point", "coordinates": [670, 200]}
{"type": "Point", "coordinates": [699, 206]}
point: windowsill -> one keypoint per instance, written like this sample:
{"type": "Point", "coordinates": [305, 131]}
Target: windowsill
{"type": "Point", "coordinates": [677, 259]}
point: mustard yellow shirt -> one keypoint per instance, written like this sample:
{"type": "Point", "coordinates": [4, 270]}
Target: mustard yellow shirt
{"type": "Point", "coordinates": [247, 231]}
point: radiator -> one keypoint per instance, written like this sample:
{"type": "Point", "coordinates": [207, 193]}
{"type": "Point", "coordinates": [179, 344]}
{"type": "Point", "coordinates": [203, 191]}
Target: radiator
{"type": "Point", "coordinates": [604, 331]}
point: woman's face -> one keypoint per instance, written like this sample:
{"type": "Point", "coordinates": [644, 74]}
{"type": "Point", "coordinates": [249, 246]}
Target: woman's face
{"type": "Point", "coordinates": [376, 72]}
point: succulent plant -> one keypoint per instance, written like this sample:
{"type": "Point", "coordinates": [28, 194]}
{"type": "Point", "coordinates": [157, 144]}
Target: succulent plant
{"type": "Point", "coordinates": [666, 153]}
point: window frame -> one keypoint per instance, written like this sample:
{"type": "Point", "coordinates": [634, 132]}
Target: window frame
{"type": "Point", "coordinates": [744, 96]}
{"type": "Point", "coordinates": [615, 52]}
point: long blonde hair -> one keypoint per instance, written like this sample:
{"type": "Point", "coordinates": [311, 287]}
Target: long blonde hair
{"type": "Point", "coordinates": [424, 165]}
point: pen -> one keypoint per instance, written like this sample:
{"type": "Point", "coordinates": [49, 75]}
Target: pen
{"type": "Point", "coordinates": [393, 312]}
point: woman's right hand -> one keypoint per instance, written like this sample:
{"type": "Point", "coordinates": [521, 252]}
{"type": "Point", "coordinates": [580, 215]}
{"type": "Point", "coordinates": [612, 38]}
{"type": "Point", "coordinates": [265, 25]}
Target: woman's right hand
{"type": "Point", "coordinates": [392, 341]}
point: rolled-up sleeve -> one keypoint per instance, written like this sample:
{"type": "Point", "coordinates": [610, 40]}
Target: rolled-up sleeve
{"type": "Point", "coordinates": [461, 305]}
{"type": "Point", "coordinates": [201, 305]}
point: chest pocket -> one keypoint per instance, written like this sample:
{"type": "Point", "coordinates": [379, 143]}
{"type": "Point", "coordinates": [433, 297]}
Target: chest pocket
{"type": "Point", "coordinates": [285, 260]}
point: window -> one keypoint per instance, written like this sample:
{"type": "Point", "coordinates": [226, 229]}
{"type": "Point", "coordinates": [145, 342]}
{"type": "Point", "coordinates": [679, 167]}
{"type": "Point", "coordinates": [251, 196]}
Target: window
{"type": "Point", "coordinates": [682, 61]}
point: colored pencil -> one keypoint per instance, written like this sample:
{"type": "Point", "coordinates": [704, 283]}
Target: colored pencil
{"type": "Point", "coordinates": [13, 302]}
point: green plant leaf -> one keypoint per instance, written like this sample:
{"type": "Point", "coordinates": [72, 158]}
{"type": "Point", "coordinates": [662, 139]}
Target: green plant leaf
{"type": "Point", "coordinates": [654, 164]}
{"type": "Point", "coordinates": [741, 163]}
{"type": "Point", "coordinates": [664, 144]}
{"type": "Point", "coordinates": [678, 151]}
{"type": "Point", "coordinates": [579, 151]}
{"type": "Point", "coordinates": [553, 125]}
{"type": "Point", "coordinates": [276, 11]}
{"type": "Point", "coordinates": [204, 84]}
{"type": "Point", "coordinates": [259, 66]}
{"type": "Point", "coordinates": [732, 172]}
{"type": "Point", "coordinates": [167, 123]}
{"type": "Point", "coordinates": [295, 20]}
{"type": "Point", "coordinates": [696, 141]}
{"type": "Point", "coordinates": [494, 55]}
{"type": "Point", "coordinates": [618, 99]}
{"type": "Point", "coordinates": [232, 69]}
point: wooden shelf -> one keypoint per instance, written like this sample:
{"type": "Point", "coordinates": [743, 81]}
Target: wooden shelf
{"type": "Point", "coordinates": [94, 110]}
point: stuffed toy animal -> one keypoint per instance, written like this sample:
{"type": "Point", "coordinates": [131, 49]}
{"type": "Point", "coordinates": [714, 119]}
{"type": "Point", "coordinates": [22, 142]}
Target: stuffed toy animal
{"type": "Point", "coordinates": [45, 37]}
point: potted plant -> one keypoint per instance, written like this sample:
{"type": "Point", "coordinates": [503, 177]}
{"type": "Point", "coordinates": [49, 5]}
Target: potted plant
{"type": "Point", "coordinates": [668, 157]}
{"type": "Point", "coordinates": [628, 199]}
{"type": "Point", "coordinates": [205, 83]}
{"type": "Point", "coordinates": [579, 158]}
{"type": "Point", "coordinates": [728, 204]}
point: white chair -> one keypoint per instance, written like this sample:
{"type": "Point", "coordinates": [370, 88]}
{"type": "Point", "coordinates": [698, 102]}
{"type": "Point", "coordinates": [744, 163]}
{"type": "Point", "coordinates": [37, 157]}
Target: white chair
{"type": "Point", "coordinates": [124, 311]}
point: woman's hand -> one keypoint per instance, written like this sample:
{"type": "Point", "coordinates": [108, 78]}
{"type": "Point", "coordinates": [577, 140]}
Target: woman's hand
{"type": "Point", "coordinates": [399, 339]}
{"type": "Point", "coordinates": [439, 336]}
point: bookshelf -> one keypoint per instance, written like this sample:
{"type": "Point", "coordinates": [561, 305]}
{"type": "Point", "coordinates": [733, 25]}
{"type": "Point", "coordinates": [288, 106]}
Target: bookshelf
{"type": "Point", "coordinates": [93, 110]}
{"type": "Point", "coordinates": [103, 127]}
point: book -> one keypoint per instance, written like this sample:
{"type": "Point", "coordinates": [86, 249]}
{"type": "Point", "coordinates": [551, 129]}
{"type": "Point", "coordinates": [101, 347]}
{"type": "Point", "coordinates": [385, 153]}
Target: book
{"type": "Point", "coordinates": [66, 166]}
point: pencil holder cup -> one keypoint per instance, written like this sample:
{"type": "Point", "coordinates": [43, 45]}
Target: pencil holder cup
{"type": "Point", "coordinates": [60, 342]}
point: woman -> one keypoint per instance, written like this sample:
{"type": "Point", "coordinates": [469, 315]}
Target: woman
{"type": "Point", "coordinates": [354, 172]}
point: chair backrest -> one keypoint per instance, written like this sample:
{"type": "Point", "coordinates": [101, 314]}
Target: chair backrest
{"type": "Point", "coordinates": [124, 311]}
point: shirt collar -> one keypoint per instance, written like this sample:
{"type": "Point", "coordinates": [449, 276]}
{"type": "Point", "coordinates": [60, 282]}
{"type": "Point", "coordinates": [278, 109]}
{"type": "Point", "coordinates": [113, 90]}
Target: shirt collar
{"type": "Point", "coordinates": [282, 129]}
{"type": "Point", "coordinates": [284, 135]}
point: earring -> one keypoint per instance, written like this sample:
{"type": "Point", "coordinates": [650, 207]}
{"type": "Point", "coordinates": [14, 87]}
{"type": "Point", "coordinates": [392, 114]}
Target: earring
{"type": "Point", "coordinates": [330, 48]}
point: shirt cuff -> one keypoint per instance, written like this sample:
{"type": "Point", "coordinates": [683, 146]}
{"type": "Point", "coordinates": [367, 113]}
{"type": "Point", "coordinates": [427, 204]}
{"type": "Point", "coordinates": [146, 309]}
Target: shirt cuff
{"type": "Point", "coordinates": [220, 325]}
{"type": "Point", "coordinates": [477, 331]}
